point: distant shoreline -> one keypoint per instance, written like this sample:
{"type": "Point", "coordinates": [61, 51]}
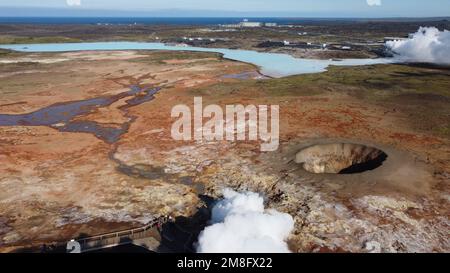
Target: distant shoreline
{"type": "Point", "coordinates": [198, 20]}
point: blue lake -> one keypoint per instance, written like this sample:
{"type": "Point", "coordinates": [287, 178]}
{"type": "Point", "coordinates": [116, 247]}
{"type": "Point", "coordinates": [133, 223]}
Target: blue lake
{"type": "Point", "coordinates": [270, 64]}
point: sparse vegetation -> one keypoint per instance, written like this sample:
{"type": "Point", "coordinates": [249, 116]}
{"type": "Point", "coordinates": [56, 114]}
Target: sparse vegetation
{"type": "Point", "coordinates": [160, 56]}
{"type": "Point", "coordinates": [37, 40]}
{"type": "Point", "coordinates": [421, 93]}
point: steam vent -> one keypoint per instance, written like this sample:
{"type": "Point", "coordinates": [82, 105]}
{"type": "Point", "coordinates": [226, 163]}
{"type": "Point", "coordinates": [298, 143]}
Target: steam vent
{"type": "Point", "coordinates": [340, 158]}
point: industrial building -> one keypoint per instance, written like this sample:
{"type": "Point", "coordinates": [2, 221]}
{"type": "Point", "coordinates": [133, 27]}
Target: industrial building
{"type": "Point", "coordinates": [271, 24]}
{"type": "Point", "coordinates": [251, 24]}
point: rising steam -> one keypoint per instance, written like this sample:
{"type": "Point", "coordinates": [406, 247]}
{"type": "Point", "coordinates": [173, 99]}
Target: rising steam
{"type": "Point", "coordinates": [428, 45]}
{"type": "Point", "coordinates": [240, 224]}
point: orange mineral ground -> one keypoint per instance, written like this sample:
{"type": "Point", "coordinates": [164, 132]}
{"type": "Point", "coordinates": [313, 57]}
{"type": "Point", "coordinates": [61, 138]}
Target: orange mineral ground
{"type": "Point", "coordinates": [105, 160]}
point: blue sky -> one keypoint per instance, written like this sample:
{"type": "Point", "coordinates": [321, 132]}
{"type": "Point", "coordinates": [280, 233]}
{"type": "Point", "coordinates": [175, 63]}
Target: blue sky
{"type": "Point", "coordinates": [320, 8]}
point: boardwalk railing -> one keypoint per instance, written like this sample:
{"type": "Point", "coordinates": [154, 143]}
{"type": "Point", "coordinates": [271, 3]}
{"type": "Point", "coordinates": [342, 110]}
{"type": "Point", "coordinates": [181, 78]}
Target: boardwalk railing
{"type": "Point", "coordinates": [115, 238]}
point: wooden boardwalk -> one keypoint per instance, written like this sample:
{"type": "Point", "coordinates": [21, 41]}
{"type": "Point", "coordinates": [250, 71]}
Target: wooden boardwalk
{"type": "Point", "coordinates": [136, 236]}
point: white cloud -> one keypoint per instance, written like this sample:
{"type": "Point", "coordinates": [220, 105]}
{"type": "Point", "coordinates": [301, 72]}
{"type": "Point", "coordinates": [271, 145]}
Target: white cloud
{"type": "Point", "coordinates": [242, 225]}
{"type": "Point", "coordinates": [374, 2]}
{"type": "Point", "coordinates": [428, 45]}
{"type": "Point", "coordinates": [73, 2]}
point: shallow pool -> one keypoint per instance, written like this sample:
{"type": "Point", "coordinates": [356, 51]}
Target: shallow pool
{"type": "Point", "coordinates": [270, 64]}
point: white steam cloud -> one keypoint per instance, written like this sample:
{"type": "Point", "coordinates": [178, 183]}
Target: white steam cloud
{"type": "Point", "coordinates": [374, 3]}
{"type": "Point", "coordinates": [242, 225]}
{"type": "Point", "coordinates": [428, 45]}
{"type": "Point", "coordinates": [73, 2]}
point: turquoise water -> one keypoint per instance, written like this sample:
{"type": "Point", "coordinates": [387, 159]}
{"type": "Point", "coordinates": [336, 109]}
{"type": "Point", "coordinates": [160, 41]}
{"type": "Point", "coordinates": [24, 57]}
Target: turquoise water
{"type": "Point", "coordinates": [270, 64]}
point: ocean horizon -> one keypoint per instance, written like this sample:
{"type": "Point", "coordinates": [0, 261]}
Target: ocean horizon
{"type": "Point", "coordinates": [186, 20]}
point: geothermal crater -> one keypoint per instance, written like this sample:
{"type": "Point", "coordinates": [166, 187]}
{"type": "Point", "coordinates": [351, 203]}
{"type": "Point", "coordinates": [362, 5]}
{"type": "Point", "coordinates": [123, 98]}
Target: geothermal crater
{"type": "Point", "coordinates": [340, 158]}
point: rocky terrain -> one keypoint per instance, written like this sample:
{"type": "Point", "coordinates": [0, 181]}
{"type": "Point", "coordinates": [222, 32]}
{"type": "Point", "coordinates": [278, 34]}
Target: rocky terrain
{"type": "Point", "coordinates": [58, 184]}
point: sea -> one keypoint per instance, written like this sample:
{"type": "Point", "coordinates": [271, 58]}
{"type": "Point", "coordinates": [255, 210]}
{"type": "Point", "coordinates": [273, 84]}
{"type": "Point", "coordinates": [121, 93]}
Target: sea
{"type": "Point", "coordinates": [159, 20]}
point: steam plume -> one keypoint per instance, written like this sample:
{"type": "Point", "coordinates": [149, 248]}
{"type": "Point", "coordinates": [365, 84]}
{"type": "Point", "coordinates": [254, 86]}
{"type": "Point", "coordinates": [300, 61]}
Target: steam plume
{"type": "Point", "coordinates": [242, 225]}
{"type": "Point", "coordinates": [428, 45]}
